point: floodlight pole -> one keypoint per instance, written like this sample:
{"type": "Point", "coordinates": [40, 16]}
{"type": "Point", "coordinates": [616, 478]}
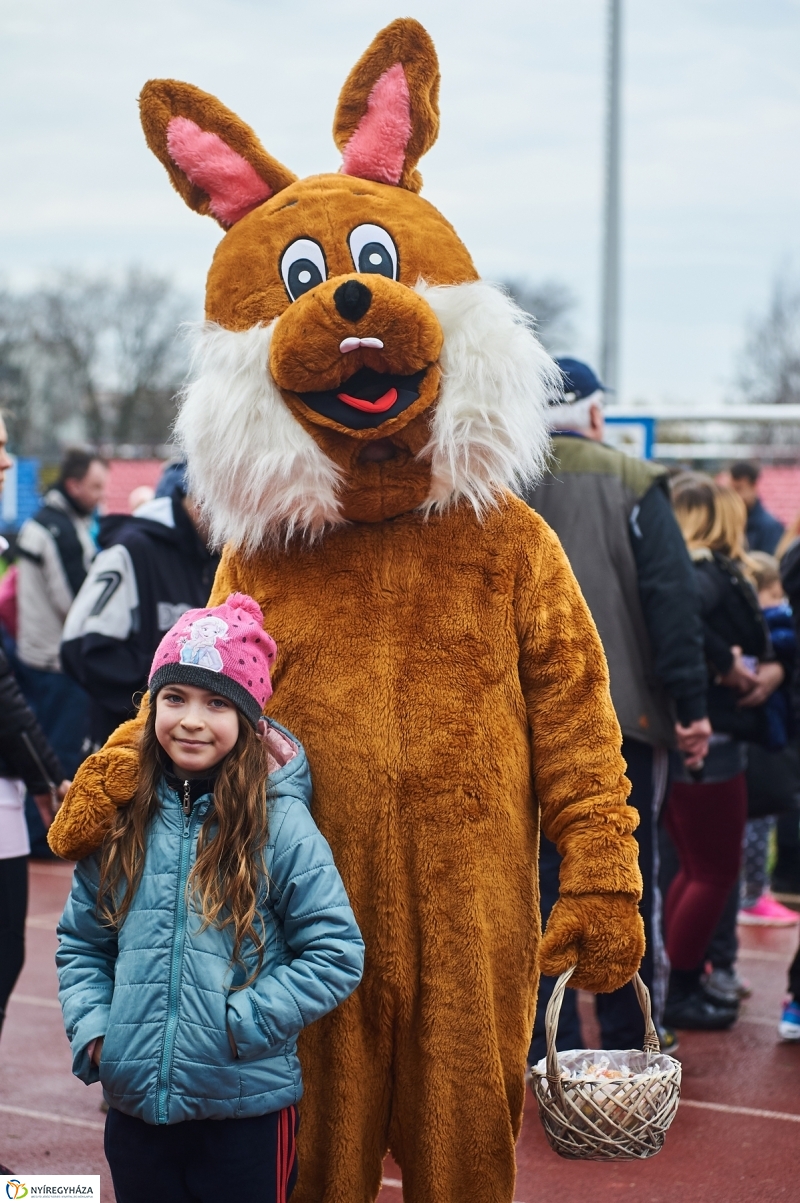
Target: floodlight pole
{"type": "Point", "coordinates": [609, 300]}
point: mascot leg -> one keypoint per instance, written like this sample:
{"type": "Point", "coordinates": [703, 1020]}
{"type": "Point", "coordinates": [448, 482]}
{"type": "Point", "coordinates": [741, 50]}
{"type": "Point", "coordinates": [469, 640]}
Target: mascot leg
{"type": "Point", "coordinates": [457, 1107]}
{"type": "Point", "coordinates": [344, 1112]}
{"type": "Point", "coordinates": [442, 1088]}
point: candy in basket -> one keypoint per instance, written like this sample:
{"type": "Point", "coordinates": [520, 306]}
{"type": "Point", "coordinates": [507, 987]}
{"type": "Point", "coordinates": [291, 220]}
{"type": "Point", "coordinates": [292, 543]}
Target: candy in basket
{"type": "Point", "coordinates": [597, 1105]}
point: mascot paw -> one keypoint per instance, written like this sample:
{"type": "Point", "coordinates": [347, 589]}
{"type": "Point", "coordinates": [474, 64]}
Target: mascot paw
{"type": "Point", "coordinates": [116, 773]}
{"type": "Point", "coordinates": [602, 934]}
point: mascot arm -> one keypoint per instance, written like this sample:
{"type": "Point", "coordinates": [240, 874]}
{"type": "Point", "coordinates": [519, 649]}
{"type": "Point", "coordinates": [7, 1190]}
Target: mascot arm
{"type": "Point", "coordinates": [108, 779]}
{"type": "Point", "coordinates": [579, 776]}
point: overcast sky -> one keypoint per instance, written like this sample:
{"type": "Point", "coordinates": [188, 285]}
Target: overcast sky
{"type": "Point", "coordinates": [711, 146]}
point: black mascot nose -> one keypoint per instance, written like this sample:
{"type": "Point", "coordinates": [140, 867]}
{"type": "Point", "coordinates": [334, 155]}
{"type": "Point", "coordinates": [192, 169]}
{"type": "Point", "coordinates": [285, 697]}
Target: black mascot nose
{"type": "Point", "coordinates": [352, 300]}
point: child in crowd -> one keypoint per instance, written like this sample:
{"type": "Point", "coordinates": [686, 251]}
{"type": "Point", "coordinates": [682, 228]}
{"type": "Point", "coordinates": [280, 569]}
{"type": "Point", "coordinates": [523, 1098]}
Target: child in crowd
{"type": "Point", "coordinates": [207, 931]}
{"type": "Point", "coordinates": [758, 907]}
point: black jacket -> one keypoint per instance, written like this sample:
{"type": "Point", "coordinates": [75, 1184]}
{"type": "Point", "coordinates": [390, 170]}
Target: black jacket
{"type": "Point", "coordinates": [19, 732]}
{"type": "Point", "coordinates": [763, 529]}
{"type": "Point", "coordinates": [731, 618]}
{"type": "Point", "coordinates": [790, 575]}
{"type": "Point", "coordinates": [152, 568]}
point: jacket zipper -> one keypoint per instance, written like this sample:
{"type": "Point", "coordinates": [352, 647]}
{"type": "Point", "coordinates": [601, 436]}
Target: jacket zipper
{"type": "Point", "coordinates": [176, 964]}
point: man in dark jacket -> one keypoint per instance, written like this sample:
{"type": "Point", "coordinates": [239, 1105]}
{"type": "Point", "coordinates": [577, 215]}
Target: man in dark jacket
{"type": "Point", "coordinates": [154, 565]}
{"type": "Point", "coordinates": [764, 531]}
{"type": "Point", "coordinates": [614, 518]}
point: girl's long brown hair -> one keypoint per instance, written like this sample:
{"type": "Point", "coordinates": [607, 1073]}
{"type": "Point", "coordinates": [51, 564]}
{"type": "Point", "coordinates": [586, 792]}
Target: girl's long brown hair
{"type": "Point", "coordinates": [229, 873]}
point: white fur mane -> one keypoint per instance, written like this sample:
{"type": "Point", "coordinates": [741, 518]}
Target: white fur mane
{"type": "Point", "coordinates": [490, 429]}
{"type": "Point", "coordinates": [260, 477]}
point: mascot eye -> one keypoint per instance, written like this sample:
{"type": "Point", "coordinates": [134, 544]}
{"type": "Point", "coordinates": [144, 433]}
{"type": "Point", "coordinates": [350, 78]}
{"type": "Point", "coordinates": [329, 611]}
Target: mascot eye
{"type": "Point", "coordinates": [373, 250]}
{"type": "Point", "coordinates": [302, 266]}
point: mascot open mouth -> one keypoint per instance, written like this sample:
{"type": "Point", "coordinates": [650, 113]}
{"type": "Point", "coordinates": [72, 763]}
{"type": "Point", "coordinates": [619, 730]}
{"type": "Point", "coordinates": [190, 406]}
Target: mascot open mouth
{"type": "Point", "coordinates": [366, 399]}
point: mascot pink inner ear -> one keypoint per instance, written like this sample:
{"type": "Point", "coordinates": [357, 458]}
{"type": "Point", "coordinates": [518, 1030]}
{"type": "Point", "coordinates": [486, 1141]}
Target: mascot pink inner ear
{"type": "Point", "coordinates": [233, 186]}
{"type": "Point", "coordinates": [377, 148]}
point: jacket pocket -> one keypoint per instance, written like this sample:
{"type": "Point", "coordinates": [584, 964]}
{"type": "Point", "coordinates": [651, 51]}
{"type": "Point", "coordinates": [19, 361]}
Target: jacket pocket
{"type": "Point", "coordinates": [132, 1045]}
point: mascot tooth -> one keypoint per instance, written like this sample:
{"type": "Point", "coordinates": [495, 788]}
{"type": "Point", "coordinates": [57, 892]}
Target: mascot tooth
{"type": "Point", "coordinates": [360, 406]}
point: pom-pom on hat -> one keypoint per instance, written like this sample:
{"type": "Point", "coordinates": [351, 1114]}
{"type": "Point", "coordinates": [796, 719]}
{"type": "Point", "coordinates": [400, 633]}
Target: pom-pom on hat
{"type": "Point", "coordinates": [224, 649]}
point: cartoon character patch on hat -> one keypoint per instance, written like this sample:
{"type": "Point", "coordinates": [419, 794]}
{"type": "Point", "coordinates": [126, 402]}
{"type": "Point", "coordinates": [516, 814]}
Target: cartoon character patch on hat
{"type": "Point", "coordinates": [200, 647]}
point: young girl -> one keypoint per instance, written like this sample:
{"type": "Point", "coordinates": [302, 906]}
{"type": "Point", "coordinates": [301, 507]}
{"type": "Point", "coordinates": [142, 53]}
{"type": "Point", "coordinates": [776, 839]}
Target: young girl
{"type": "Point", "coordinates": [207, 931]}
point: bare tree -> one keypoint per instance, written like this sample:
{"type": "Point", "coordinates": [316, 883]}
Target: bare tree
{"type": "Point", "coordinates": [551, 304]}
{"type": "Point", "coordinates": [92, 359]}
{"type": "Point", "coordinates": [770, 363]}
{"type": "Point", "coordinates": [68, 318]}
{"type": "Point", "coordinates": [147, 355]}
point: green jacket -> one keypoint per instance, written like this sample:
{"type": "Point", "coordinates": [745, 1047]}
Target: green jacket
{"type": "Point", "coordinates": [613, 517]}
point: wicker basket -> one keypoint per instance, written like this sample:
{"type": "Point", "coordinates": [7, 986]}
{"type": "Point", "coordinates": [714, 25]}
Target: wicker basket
{"type": "Point", "coordinates": [622, 1119]}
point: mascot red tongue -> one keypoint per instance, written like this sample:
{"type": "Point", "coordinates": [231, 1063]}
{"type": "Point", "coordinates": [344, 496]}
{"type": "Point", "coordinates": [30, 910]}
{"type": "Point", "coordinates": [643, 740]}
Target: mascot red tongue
{"type": "Point", "coordinates": [361, 405]}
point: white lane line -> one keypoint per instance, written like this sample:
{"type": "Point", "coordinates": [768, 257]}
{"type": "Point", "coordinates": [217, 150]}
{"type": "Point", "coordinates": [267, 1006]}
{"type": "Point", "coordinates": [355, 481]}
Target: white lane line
{"type": "Point", "coordinates": [33, 1000]}
{"type": "Point", "coordinates": [45, 922]}
{"type": "Point", "coordinates": [756, 1112]}
{"type": "Point", "coordinates": [52, 1118]}
{"type": "Point", "coordinates": [761, 1020]}
{"type": "Point", "coordinates": [752, 954]}
{"type": "Point", "coordinates": [396, 1184]}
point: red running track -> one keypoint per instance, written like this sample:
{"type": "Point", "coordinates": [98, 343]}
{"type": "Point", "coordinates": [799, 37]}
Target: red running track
{"type": "Point", "coordinates": [51, 1123]}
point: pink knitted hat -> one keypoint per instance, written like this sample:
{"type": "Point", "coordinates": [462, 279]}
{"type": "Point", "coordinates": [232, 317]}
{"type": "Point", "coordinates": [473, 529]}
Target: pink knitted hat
{"type": "Point", "coordinates": [225, 650]}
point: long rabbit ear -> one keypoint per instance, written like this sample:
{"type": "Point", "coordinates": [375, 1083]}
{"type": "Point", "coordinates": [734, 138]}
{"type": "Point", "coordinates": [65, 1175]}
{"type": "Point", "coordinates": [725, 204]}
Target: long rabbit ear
{"type": "Point", "coordinates": [214, 160]}
{"type": "Point", "coordinates": [388, 111]}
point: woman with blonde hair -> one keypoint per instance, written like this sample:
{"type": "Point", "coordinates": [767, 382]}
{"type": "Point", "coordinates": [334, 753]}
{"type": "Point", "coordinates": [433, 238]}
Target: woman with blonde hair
{"type": "Point", "coordinates": [706, 812]}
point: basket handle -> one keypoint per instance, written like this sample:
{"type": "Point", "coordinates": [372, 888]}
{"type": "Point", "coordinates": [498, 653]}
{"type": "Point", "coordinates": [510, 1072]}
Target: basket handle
{"type": "Point", "coordinates": [651, 1041]}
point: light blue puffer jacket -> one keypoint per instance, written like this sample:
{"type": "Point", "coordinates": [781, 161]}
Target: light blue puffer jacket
{"type": "Point", "coordinates": [159, 989]}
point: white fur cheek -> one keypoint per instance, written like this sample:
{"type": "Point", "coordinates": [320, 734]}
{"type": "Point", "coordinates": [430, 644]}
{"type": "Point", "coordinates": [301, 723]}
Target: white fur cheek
{"type": "Point", "coordinates": [489, 429]}
{"type": "Point", "coordinates": [258, 475]}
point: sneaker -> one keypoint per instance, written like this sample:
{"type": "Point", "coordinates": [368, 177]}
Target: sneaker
{"type": "Point", "coordinates": [695, 1012]}
{"type": "Point", "coordinates": [669, 1041]}
{"type": "Point", "coordinates": [789, 1026]}
{"type": "Point", "coordinates": [768, 912]}
{"type": "Point", "coordinates": [725, 986]}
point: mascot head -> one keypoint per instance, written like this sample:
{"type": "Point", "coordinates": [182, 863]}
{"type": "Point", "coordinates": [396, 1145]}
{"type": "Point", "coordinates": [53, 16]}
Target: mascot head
{"type": "Point", "coordinates": [352, 366]}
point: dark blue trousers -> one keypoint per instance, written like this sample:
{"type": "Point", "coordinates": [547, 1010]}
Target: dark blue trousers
{"type": "Point", "coordinates": [619, 1014]}
{"type": "Point", "coordinates": [204, 1160]}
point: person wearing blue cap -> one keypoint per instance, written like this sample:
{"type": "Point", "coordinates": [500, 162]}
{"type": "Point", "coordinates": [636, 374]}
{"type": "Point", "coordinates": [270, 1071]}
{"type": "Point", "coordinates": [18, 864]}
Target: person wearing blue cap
{"type": "Point", "coordinates": [154, 566]}
{"type": "Point", "coordinates": [613, 515]}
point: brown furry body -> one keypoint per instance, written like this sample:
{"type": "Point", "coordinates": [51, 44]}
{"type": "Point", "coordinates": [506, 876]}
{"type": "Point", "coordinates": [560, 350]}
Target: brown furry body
{"type": "Point", "coordinates": [436, 657]}
{"type": "Point", "coordinates": [444, 676]}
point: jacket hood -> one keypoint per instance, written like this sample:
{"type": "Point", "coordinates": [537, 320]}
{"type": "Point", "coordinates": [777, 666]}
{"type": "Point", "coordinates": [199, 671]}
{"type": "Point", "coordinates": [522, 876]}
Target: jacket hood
{"type": "Point", "coordinates": [162, 518]}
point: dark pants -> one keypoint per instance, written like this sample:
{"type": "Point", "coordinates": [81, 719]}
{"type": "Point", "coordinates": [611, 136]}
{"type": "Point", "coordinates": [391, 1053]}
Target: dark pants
{"type": "Point", "coordinates": [13, 909]}
{"type": "Point", "coordinates": [204, 1160]}
{"type": "Point", "coordinates": [619, 1013]}
{"type": "Point", "coordinates": [786, 874]}
{"type": "Point", "coordinates": [723, 948]}
{"type": "Point", "coordinates": [62, 709]}
{"type": "Point", "coordinates": [794, 976]}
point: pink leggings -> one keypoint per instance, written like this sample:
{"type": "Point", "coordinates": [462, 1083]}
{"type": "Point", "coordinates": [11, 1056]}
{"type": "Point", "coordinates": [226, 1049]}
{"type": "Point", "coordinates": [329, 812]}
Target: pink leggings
{"type": "Point", "coordinates": [706, 825]}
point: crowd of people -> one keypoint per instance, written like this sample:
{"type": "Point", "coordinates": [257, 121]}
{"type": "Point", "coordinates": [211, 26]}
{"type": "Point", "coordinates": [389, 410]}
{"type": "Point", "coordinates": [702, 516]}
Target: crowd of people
{"type": "Point", "coordinates": [697, 618]}
{"type": "Point", "coordinates": [695, 614]}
